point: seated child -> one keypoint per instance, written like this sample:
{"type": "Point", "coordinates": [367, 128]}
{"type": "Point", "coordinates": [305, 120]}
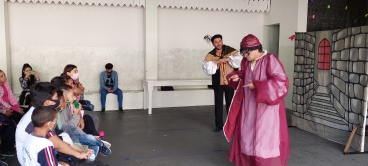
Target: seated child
{"type": "Point", "coordinates": [37, 149]}
{"type": "Point", "coordinates": [90, 119]}
{"type": "Point", "coordinates": [70, 117]}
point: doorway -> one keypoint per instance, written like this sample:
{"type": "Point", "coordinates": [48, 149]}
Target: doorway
{"type": "Point", "coordinates": [271, 38]}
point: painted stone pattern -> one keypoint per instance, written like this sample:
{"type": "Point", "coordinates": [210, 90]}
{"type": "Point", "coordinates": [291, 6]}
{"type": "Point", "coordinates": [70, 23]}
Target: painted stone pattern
{"type": "Point", "coordinates": [329, 101]}
{"type": "Point", "coordinates": [349, 76]}
{"type": "Point", "coordinates": [304, 84]}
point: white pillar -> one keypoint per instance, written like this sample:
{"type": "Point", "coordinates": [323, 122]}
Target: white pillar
{"type": "Point", "coordinates": [4, 40]}
{"type": "Point", "coordinates": [151, 39]}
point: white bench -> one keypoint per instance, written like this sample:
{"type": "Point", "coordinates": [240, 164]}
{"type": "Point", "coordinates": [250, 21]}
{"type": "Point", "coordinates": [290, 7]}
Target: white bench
{"type": "Point", "coordinates": [150, 83]}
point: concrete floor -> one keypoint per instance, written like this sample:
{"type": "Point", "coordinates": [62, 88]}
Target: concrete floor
{"type": "Point", "coordinates": [183, 136]}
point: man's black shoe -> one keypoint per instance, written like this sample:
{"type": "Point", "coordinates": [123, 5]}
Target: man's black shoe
{"type": "Point", "coordinates": [217, 129]}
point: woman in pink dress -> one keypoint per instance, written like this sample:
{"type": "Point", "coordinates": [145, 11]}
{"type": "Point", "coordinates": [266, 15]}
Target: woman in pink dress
{"type": "Point", "coordinates": [8, 103]}
{"type": "Point", "coordinates": [256, 123]}
{"type": "Point", "coordinates": [11, 109]}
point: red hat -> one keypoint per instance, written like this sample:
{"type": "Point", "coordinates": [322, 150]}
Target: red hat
{"type": "Point", "coordinates": [249, 41]}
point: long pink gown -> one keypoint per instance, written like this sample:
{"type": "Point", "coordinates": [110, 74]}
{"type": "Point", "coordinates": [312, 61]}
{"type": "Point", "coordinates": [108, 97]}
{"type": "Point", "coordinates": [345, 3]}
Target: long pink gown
{"type": "Point", "coordinates": [256, 124]}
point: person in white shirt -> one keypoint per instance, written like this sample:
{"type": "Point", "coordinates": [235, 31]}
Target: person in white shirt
{"type": "Point", "coordinates": [37, 149]}
{"type": "Point", "coordinates": [219, 62]}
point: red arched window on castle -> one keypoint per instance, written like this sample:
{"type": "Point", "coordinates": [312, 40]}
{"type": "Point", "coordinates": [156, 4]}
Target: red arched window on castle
{"type": "Point", "coordinates": [324, 55]}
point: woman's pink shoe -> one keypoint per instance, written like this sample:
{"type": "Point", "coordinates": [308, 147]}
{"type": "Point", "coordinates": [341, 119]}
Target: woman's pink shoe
{"type": "Point", "coordinates": [101, 134]}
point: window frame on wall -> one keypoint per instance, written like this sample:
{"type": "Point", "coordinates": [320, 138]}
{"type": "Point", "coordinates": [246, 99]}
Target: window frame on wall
{"type": "Point", "coordinates": [324, 55]}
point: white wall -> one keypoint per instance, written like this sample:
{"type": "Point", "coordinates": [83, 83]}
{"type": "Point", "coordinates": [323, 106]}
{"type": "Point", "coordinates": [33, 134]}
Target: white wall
{"type": "Point", "coordinates": [49, 36]}
{"type": "Point", "coordinates": [181, 32]}
{"type": "Point", "coordinates": [292, 17]}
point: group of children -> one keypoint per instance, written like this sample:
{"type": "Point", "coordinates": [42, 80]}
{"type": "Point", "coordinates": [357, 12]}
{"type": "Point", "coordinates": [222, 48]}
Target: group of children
{"type": "Point", "coordinates": [38, 150]}
{"type": "Point", "coordinates": [56, 130]}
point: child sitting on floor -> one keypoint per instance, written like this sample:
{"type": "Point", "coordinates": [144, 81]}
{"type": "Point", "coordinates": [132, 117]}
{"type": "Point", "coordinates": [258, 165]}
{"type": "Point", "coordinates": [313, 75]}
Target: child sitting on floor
{"type": "Point", "coordinates": [70, 118]}
{"type": "Point", "coordinates": [37, 149]}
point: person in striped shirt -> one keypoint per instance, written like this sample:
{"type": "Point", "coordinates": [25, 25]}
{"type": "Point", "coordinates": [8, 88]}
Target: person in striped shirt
{"type": "Point", "coordinates": [37, 149]}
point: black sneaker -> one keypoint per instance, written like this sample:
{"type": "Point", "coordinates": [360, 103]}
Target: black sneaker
{"type": "Point", "coordinates": [217, 129]}
{"type": "Point", "coordinates": [121, 109]}
{"type": "Point", "coordinates": [105, 151]}
{"type": "Point", "coordinates": [8, 154]}
{"type": "Point", "coordinates": [102, 111]}
{"type": "Point", "coordinates": [2, 163]}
